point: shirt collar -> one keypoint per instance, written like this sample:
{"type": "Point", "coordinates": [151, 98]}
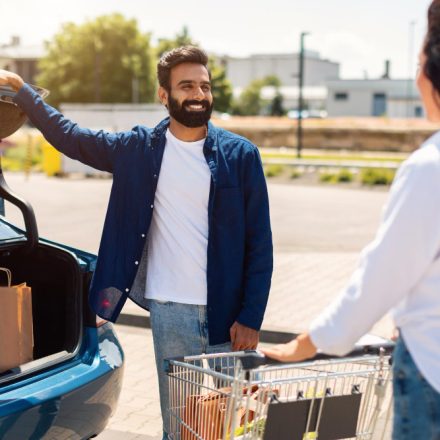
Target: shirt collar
{"type": "Point", "coordinates": [210, 142]}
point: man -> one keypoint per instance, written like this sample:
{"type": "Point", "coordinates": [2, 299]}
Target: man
{"type": "Point", "coordinates": [194, 245]}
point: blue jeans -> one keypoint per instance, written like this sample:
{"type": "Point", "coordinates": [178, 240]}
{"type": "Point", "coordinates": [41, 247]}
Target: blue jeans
{"type": "Point", "coordinates": [178, 330]}
{"type": "Point", "coordinates": [416, 402]}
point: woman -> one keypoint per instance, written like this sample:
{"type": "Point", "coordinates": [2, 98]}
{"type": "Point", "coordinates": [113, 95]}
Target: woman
{"type": "Point", "coordinates": [400, 269]}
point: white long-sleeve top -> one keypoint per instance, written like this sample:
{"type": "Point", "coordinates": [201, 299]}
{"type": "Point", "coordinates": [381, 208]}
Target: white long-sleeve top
{"type": "Point", "coordinates": [399, 270]}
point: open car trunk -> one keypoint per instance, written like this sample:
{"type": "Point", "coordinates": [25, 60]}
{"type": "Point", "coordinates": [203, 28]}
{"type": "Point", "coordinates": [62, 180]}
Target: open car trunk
{"type": "Point", "coordinates": [54, 276]}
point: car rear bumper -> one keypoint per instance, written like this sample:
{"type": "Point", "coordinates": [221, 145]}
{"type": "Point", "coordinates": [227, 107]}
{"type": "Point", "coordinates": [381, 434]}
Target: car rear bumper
{"type": "Point", "coordinates": [75, 398]}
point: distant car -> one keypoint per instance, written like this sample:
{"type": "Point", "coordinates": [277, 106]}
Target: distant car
{"type": "Point", "coordinates": [307, 114]}
{"type": "Point", "coordinates": [71, 388]}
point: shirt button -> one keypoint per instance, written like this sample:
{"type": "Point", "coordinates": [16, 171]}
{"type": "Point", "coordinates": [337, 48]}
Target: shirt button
{"type": "Point", "coordinates": [151, 206]}
{"type": "Point", "coordinates": [143, 235]}
{"type": "Point", "coordinates": [136, 262]}
{"type": "Point", "coordinates": [127, 289]}
{"type": "Point", "coordinates": [155, 176]}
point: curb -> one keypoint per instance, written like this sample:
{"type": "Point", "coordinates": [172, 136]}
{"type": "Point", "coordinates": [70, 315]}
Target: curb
{"type": "Point", "coordinates": [268, 336]}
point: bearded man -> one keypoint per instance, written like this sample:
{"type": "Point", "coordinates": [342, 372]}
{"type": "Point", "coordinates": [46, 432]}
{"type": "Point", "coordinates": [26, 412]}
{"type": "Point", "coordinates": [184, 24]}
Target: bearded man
{"type": "Point", "coordinates": [187, 233]}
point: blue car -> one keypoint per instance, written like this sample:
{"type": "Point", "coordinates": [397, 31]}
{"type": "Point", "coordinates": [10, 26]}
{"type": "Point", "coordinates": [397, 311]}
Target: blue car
{"type": "Point", "coordinates": [71, 387]}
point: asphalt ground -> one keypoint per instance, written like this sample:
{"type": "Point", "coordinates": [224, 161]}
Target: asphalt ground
{"type": "Point", "coordinates": [318, 232]}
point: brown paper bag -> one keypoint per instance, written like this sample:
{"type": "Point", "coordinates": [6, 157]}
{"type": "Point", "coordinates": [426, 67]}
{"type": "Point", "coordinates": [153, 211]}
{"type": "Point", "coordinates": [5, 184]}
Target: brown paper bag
{"type": "Point", "coordinates": [206, 414]}
{"type": "Point", "coordinates": [16, 332]}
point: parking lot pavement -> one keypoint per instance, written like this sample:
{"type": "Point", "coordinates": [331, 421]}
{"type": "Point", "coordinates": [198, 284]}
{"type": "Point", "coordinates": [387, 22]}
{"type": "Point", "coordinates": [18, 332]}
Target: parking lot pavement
{"type": "Point", "coordinates": [138, 413]}
{"type": "Point", "coordinates": [318, 232]}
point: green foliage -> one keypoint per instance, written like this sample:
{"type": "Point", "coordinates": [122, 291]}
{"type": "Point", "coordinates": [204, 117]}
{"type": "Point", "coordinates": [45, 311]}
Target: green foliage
{"type": "Point", "coordinates": [295, 174]}
{"type": "Point", "coordinates": [276, 106]}
{"type": "Point", "coordinates": [250, 101]}
{"type": "Point", "coordinates": [342, 176]}
{"type": "Point", "coordinates": [327, 177]}
{"type": "Point", "coordinates": [221, 86]}
{"type": "Point", "coordinates": [273, 170]}
{"type": "Point", "coordinates": [103, 60]}
{"type": "Point", "coordinates": [20, 157]}
{"type": "Point", "coordinates": [377, 176]}
{"type": "Point", "coordinates": [182, 38]}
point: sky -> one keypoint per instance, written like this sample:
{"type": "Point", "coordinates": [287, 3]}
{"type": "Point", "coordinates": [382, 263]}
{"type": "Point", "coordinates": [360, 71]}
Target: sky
{"type": "Point", "coordinates": [359, 34]}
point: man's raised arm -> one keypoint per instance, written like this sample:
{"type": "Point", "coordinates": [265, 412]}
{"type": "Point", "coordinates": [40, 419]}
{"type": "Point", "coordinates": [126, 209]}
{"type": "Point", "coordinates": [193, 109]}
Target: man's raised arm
{"type": "Point", "coordinates": [94, 148]}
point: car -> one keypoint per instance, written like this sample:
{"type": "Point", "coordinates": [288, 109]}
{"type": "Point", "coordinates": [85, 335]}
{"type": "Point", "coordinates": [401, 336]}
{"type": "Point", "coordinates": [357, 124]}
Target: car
{"type": "Point", "coordinates": [307, 114]}
{"type": "Point", "coordinates": [71, 387]}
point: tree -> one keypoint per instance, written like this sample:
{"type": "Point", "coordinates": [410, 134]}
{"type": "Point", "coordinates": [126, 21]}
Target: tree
{"type": "Point", "coordinates": [276, 106]}
{"type": "Point", "coordinates": [104, 60]}
{"type": "Point", "coordinates": [181, 39]}
{"type": "Point", "coordinates": [250, 101]}
{"type": "Point", "coordinates": [221, 86]}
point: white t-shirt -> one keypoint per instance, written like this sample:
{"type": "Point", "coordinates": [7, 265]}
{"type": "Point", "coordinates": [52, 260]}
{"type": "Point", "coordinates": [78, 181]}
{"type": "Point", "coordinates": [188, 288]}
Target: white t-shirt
{"type": "Point", "coordinates": [178, 236]}
{"type": "Point", "coordinates": [400, 269]}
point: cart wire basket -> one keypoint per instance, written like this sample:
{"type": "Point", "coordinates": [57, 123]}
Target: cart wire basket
{"type": "Point", "coordinates": [243, 395]}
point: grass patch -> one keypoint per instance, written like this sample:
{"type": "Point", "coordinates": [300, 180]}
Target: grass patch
{"type": "Point", "coordinates": [335, 157]}
{"type": "Point", "coordinates": [377, 176]}
{"type": "Point", "coordinates": [273, 170]}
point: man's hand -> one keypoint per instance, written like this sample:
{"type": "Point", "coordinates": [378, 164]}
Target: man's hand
{"type": "Point", "coordinates": [297, 350]}
{"type": "Point", "coordinates": [243, 338]}
{"type": "Point", "coordinates": [11, 79]}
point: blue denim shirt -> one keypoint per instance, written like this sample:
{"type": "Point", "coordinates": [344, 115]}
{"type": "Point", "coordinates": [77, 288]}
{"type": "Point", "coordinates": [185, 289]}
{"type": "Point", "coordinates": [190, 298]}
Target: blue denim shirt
{"type": "Point", "coordinates": [239, 264]}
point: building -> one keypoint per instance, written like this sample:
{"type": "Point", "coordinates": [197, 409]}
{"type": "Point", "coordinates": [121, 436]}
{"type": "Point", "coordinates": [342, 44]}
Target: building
{"type": "Point", "coordinates": [21, 59]}
{"type": "Point", "coordinates": [393, 98]}
{"type": "Point", "coordinates": [317, 71]}
{"type": "Point", "coordinates": [242, 71]}
{"type": "Point", "coordinates": [314, 97]}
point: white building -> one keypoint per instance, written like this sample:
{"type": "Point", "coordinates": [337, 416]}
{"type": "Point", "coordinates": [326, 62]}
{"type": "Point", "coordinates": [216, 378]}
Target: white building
{"type": "Point", "coordinates": [315, 97]}
{"type": "Point", "coordinates": [21, 59]}
{"type": "Point", "coordinates": [394, 98]}
{"type": "Point", "coordinates": [317, 71]}
{"type": "Point", "coordinates": [242, 71]}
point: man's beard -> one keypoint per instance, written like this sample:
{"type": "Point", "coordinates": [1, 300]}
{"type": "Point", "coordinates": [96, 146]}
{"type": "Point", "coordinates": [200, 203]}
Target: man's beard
{"type": "Point", "coordinates": [190, 118]}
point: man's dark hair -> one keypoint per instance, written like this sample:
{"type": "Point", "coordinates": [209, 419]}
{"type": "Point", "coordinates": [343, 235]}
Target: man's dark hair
{"type": "Point", "coordinates": [183, 54]}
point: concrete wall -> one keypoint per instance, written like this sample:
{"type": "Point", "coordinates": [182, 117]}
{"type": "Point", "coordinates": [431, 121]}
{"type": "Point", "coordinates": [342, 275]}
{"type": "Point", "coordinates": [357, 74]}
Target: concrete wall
{"type": "Point", "coordinates": [331, 136]}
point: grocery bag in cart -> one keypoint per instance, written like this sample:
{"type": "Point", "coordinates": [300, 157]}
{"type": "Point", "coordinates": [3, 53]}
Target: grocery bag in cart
{"type": "Point", "coordinates": [243, 395]}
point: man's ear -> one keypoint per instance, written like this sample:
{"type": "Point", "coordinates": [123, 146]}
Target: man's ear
{"type": "Point", "coordinates": [163, 96]}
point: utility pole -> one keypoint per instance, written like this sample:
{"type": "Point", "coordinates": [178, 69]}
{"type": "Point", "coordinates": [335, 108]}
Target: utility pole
{"type": "Point", "coordinates": [409, 88]}
{"type": "Point", "coordinates": [300, 95]}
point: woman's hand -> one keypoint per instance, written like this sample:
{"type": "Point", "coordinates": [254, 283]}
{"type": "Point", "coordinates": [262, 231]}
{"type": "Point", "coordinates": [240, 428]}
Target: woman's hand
{"type": "Point", "coordinates": [11, 79]}
{"type": "Point", "coordinates": [297, 350]}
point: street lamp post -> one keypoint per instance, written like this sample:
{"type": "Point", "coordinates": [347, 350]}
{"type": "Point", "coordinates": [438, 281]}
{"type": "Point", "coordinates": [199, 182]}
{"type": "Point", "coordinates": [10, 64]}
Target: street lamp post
{"type": "Point", "coordinates": [409, 86]}
{"type": "Point", "coordinates": [300, 95]}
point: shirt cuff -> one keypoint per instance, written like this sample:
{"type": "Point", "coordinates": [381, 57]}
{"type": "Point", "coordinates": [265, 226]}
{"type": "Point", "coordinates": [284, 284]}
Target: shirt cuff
{"type": "Point", "coordinates": [25, 96]}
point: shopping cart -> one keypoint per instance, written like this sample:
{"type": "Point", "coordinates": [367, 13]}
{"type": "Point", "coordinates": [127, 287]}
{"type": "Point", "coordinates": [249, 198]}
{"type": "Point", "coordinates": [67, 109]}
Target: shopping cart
{"type": "Point", "coordinates": [243, 395]}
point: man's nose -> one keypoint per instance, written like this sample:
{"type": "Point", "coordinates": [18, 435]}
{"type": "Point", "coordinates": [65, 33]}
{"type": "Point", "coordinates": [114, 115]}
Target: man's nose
{"type": "Point", "coordinates": [198, 93]}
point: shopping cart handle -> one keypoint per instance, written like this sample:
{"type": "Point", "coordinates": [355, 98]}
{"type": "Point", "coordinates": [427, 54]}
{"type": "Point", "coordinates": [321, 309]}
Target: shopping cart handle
{"type": "Point", "coordinates": [254, 359]}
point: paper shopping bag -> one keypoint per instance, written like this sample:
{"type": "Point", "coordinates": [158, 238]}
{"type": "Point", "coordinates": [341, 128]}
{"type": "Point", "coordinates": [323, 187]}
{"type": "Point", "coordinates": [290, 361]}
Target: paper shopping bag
{"type": "Point", "coordinates": [16, 331]}
{"type": "Point", "coordinates": [205, 414]}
